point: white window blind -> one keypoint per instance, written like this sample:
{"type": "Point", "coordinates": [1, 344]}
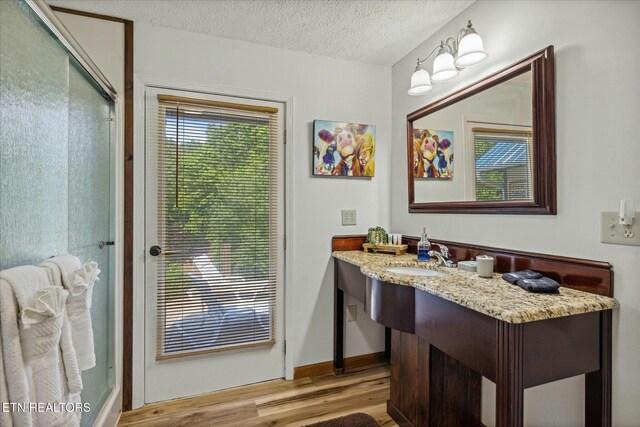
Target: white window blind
{"type": "Point", "coordinates": [503, 164]}
{"type": "Point", "coordinates": [217, 225]}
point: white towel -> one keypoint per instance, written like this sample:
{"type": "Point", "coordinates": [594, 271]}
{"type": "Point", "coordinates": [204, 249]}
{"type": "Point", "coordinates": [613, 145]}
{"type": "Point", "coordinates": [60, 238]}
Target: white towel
{"type": "Point", "coordinates": [14, 387]}
{"type": "Point", "coordinates": [5, 417]}
{"type": "Point", "coordinates": [78, 279]}
{"type": "Point", "coordinates": [50, 373]}
{"type": "Point", "coordinates": [14, 368]}
{"type": "Point", "coordinates": [45, 331]}
{"type": "Point", "coordinates": [69, 358]}
{"type": "Point", "coordinates": [25, 282]}
{"type": "Point", "coordinates": [41, 330]}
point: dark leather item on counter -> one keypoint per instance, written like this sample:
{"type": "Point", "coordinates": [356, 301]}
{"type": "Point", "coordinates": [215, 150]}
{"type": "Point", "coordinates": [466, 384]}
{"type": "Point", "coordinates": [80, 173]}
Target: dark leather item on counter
{"type": "Point", "coordinates": [513, 277]}
{"type": "Point", "coordinates": [542, 285]}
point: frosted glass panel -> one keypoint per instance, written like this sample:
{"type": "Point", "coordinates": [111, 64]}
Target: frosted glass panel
{"type": "Point", "coordinates": [56, 181]}
{"type": "Point", "coordinates": [89, 217]}
{"type": "Point", "coordinates": [34, 93]}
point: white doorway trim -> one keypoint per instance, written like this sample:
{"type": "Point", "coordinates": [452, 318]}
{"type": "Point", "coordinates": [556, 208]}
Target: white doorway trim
{"type": "Point", "coordinates": [141, 81]}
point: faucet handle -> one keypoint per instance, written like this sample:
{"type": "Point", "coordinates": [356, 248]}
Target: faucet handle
{"type": "Point", "coordinates": [444, 250]}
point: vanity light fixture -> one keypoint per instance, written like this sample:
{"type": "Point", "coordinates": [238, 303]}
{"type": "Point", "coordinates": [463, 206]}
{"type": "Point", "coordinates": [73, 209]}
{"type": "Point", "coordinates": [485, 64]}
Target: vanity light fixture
{"type": "Point", "coordinates": [420, 81]}
{"type": "Point", "coordinates": [452, 56]}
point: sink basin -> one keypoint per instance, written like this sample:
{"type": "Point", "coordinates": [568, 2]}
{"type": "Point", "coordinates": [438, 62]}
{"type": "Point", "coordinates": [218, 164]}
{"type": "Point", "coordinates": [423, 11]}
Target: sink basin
{"type": "Point", "coordinates": [414, 271]}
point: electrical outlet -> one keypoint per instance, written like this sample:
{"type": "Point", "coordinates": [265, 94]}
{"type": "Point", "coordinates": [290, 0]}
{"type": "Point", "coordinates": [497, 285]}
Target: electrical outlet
{"type": "Point", "coordinates": [348, 217]}
{"type": "Point", "coordinates": [352, 313]}
{"type": "Point", "coordinates": [612, 232]}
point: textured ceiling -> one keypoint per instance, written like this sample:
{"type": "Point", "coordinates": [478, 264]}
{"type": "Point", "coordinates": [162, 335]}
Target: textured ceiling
{"type": "Point", "coordinates": [378, 32]}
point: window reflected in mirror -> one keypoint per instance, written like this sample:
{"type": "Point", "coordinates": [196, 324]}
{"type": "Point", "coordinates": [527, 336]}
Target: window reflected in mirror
{"type": "Point", "coordinates": [502, 164]}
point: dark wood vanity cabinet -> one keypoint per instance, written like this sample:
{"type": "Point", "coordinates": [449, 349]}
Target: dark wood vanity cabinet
{"type": "Point", "coordinates": [430, 388]}
{"type": "Point", "coordinates": [441, 350]}
{"type": "Point", "coordinates": [436, 372]}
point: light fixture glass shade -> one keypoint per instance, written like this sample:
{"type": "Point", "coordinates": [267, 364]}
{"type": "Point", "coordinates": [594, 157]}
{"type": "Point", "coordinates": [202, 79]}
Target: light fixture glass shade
{"type": "Point", "coordinates": [420, 82]}
{"type": "Point", "coordinates": [470, 50]}
{"type": "Point", "coordinates": [443, 68]}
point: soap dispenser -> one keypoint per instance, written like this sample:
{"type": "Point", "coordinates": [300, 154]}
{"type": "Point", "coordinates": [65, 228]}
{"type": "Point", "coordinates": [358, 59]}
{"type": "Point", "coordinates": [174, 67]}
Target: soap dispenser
{"type": "Point", "coordinates": [424, 246]}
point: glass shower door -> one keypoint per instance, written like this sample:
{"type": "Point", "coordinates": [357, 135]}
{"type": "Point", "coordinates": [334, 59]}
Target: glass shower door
{"type": "Point", "coordinates": [56, 172]}
{"type": "Point", "coordinates": [91, 135]}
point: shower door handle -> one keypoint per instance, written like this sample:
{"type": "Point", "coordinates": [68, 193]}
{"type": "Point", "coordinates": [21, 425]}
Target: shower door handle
{"type": "Point", "coordinates": [102, 243]}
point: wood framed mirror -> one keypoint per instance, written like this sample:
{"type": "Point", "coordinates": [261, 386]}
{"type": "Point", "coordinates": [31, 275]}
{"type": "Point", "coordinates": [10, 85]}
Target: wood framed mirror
{"type": "Point", "coordinates": [502, 132]}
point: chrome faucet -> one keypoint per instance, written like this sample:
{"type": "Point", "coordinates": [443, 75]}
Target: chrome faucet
{"type": "Point", "coordinates": [442, 256]}
{"type": "Point", "coordinates": [444, 251]}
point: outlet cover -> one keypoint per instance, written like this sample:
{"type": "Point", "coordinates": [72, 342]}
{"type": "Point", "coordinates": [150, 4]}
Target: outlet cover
{"type": "Point", "coordinates": [348, 217]}
{"type": "Point", "coordinates": [352, 313]}
{"type": "Point", "coordinates": [612, 232]}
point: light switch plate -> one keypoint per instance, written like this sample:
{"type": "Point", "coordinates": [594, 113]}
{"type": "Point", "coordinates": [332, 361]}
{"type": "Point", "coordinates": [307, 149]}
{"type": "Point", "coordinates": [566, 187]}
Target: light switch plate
{"type": "Point", "coordinates": [612, 232]}
{"type": "Point", "coordinates": [352, 313]}
{"type": "Point", "coordinates": [348, 217]}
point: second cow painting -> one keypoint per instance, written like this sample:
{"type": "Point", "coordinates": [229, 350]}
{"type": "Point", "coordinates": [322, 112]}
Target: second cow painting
{"type": "Point", "coordinates": [432, 154]}
{"type": "Point", "coordinates": [343, 149]}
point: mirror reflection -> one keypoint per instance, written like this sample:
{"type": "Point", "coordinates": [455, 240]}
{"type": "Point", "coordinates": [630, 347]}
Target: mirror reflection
{"type": "Point", "coordinates": [477, 149]}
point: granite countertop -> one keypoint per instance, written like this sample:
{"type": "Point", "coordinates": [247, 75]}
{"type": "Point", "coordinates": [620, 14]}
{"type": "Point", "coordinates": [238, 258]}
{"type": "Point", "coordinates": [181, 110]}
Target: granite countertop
{"type": "Point", "coordinates": [492, 296]}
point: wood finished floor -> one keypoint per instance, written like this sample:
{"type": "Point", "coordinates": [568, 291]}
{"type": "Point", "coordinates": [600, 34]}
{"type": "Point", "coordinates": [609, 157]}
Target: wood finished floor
{"type": "Point", "coordinates": [275, 403]}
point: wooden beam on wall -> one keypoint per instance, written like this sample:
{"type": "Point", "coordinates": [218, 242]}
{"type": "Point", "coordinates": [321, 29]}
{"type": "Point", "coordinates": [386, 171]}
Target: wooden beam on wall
{"type": "Point", "coordinates": [127, 303]}
{"type": "Point", "coordinates": [87, 14]}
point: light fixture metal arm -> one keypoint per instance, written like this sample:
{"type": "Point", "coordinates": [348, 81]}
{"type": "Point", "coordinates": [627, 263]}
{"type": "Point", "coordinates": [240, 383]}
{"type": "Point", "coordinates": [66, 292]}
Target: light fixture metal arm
{"type": "Point", "coordinates": [451, 43]}
{"type": "Point", "coordinates": [422, 61]}
{"type": "Point", "coordinates": [453, 46]}
{"type": "Point", "coordinates": [462, 32]}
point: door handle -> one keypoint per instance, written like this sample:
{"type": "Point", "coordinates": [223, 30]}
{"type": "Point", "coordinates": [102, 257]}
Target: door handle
{"type": "Point", "coordinates": [102, 244]}
{"type": "Point", "coordinates": [156, 250]}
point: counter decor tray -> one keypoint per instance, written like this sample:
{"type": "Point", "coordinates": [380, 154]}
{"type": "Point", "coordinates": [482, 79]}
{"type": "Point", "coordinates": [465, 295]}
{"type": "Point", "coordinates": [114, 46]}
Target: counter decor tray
{"type": "Point", "coordinates": [394, 249]}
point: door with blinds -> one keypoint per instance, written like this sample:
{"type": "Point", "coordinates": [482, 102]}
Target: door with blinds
{"type": "Point", "coordinates": [214, 242]}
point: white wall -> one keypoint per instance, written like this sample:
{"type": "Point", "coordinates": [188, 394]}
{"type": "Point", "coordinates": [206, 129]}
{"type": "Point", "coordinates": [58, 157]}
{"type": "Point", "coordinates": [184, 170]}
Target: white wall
{"type": "Point", "coordinates": [104, 43]}
{"type": "Point", "coordinates": [322, 88]}
{"type": "Point", "coordinates": [598, 163]}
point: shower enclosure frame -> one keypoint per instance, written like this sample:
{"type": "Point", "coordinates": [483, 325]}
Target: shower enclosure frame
{"type": "Point", "coordinates": [52, 22]}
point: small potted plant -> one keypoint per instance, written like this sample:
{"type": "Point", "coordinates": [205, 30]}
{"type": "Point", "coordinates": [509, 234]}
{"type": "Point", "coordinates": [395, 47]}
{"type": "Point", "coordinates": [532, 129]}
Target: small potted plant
{"type": "Point", "coordinates": [377, 236]}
